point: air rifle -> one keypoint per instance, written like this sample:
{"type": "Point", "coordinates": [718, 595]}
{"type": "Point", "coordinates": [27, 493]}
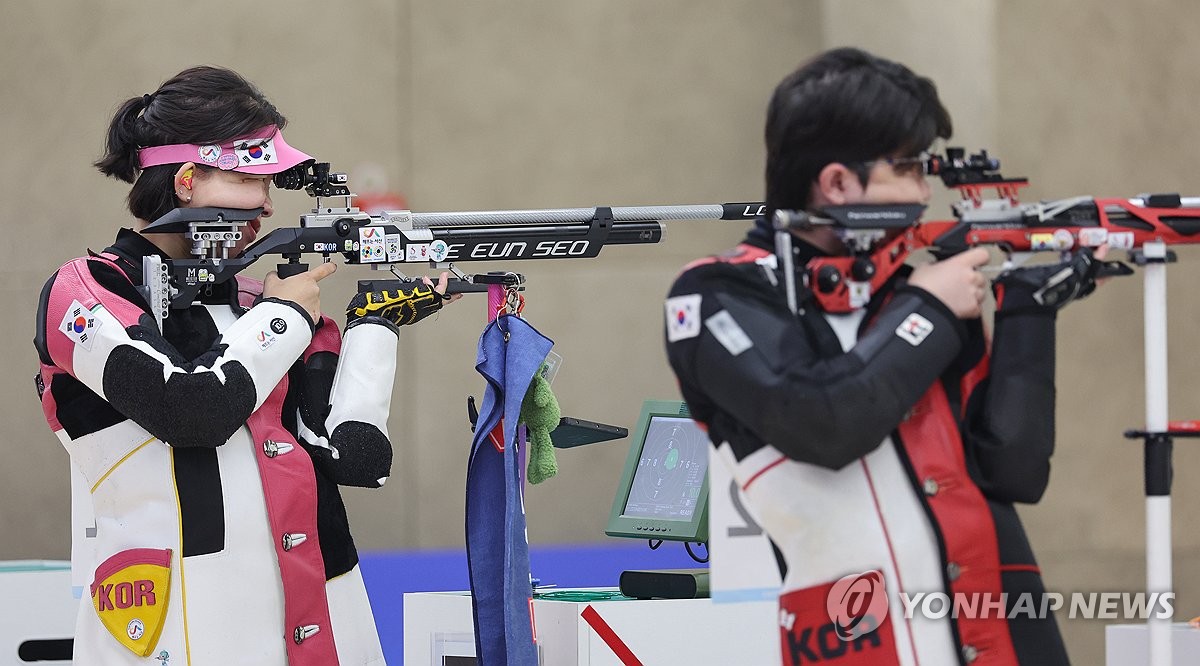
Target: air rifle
{"type": "Point", "coordinates": [880, 237]}
{"type": "Point", "coordinates": [393, 238]}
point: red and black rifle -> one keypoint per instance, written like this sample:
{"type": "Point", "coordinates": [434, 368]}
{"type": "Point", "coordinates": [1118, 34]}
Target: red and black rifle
{"type": "Point", "coordinates": [881, 237]}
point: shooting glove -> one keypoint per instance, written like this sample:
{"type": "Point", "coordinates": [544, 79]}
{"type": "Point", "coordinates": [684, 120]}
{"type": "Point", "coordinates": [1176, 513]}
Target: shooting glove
{"type": "Point", "coordinates": [1047, 288]}
{"type": "Point", "coordinates": [400, 306]}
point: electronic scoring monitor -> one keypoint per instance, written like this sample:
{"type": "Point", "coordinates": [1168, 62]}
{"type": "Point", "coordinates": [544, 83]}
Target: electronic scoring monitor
{"type": "Point", "coordinates": [663, 492]}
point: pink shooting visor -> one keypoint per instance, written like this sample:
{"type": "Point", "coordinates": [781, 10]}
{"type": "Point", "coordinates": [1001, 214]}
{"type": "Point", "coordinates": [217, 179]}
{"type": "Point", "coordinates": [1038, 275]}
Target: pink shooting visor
{"type": "Point", "coordinates": [263, 152]}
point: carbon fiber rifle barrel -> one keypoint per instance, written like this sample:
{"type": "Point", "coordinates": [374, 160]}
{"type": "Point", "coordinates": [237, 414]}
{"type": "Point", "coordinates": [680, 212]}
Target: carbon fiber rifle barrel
{"type": "Point", "coordinates": [730, 211]}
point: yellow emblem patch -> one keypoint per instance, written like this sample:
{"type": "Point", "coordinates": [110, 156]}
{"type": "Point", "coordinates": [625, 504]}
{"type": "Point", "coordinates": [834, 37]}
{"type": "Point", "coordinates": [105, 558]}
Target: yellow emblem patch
{"type": "Point", "coordinates": [130, 594]}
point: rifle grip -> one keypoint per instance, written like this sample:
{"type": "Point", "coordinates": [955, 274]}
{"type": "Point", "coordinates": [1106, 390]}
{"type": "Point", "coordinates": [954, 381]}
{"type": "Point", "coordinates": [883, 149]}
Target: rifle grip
{"type": "Point", "coordinates": [289, 269]}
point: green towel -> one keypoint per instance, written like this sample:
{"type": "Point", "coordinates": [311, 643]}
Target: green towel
{"type": "Point", "coordinates": [540, 414]}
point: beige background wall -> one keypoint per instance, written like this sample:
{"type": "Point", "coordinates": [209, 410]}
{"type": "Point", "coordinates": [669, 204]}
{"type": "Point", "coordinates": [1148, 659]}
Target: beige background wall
{"type": "Point", "coordinates": [524, 104]}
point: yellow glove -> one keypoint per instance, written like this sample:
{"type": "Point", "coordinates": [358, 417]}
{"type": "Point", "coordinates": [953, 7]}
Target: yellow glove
{"type": "Point", "coordinates": [399, 307]}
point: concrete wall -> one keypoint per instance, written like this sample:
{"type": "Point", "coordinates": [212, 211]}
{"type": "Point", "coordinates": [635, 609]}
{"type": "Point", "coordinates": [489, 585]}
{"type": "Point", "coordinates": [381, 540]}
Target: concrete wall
{"type": "Point", "coordinates": [530, 105]}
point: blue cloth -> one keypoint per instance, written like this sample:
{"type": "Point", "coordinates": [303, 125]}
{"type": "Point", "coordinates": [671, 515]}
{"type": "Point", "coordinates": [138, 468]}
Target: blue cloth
{"type": "Point", "coordinates": [511, 352]}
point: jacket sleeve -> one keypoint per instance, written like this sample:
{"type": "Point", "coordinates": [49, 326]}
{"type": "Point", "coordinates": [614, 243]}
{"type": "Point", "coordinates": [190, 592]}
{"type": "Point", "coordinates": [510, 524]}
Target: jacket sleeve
{"type": "Point", "coordinates": [346, 399]}
{"type": "Point", "coordinates": [94, 325]}
{"type": "Point", "coordinates": [750, 358]}
{"type": "Point", "coordinates": [1010, 415]}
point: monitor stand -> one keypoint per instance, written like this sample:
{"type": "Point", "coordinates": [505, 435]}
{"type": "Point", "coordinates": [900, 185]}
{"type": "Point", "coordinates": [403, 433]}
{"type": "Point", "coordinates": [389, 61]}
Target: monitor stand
{"type": "Point", "coordinates": [665, 584]}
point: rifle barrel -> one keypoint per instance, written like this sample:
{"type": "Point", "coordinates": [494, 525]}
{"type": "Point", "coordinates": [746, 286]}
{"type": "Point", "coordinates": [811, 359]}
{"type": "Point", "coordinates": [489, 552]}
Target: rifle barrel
{"type": "Point", "coordinates": [621, 233]}
{"type": "Point", "coordinates": [569, 215]}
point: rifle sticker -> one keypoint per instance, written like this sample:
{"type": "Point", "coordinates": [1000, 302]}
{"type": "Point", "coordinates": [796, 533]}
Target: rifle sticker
{"type": "Point", "coordinates": [860, 293]}
{"type": "Point", "coordinates": [1061, 239]}
{"type": "Point", "coordinates": [416, 252]}
{"type": "Point", "coordinates": [683, 317]}
{"type": "Point", "coordinates": [438, 250]}
{"type": "Point", "coordinates": [726, 330]}
{"type": "Point", "coordinates": [914, 329]}
{"type": "Point", "coordinates": [392, 243]}
{"type": "Point", "coordinates": [79, 324]}
{"type": "Point", "coordinates": [1093, 237]}
{"type": "Point", "coordinates": [1121, 240]}
{"type": "Point", "coordinates": [370, 244]}
{"type": "Point", "coordinates": [1039, 242]}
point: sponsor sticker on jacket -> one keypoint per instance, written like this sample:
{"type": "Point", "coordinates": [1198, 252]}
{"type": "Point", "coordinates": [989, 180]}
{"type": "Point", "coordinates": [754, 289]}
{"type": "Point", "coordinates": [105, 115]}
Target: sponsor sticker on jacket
{"type": "Point", "coordinates": [683, 317]}
{"type": "Point", "coordinates": [842, 622]}
{"type": "Point", "coordinates": [265, 339]}
{"type": "Point", "coordinates": [130, 594]}
{"type": "Point", "coordinates": [726, 330]}
{"type": "Point", "coordinates": [914, 329]}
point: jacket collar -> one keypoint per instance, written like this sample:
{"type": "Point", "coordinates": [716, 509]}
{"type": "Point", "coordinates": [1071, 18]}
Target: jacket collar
{"type": "Point", "coordinates": [129, 248]}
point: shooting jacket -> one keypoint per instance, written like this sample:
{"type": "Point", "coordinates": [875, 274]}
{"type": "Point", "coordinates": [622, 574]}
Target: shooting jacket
{"type": "Point", "coordinates": [207, 523]}
{"type": "Point", "coordinates": [885, 440]}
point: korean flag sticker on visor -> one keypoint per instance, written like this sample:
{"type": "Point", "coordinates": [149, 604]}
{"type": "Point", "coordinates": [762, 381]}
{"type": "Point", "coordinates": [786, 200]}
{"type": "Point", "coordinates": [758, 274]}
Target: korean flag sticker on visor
{"type": "Point", "coordinates": [255, 152]}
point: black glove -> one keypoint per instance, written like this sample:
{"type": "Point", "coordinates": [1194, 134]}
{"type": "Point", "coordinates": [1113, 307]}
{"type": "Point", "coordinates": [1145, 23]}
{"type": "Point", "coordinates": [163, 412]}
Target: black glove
{"type": "Point", "coordinates": [400, 307]}
{"type": "Point", "coordinates": [1047, 288]}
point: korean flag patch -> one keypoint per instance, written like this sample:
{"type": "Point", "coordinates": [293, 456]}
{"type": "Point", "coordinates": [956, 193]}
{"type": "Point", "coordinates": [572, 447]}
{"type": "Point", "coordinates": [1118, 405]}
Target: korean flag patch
{"type": "Point", "coordinates": [683, 317]}
{"type": "Point", "coordinates": [915, 329]}
{"type": "Point", "coordinates": [80, 325]}
{"type": "Point", "coordinates": [253, 152]}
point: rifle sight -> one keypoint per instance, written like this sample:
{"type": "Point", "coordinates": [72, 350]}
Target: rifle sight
{"type": "Point", "coordinates": [958, 168]}
{"type": "Point", "coordinates": [314, 178]}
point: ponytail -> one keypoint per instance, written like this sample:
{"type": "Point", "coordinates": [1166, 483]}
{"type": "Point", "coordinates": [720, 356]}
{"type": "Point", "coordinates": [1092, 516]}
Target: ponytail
{"type": "Point", "coordinates": [121, 144]}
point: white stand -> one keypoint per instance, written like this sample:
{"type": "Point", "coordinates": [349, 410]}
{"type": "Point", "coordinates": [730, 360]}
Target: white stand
{"type": "Point", "coordinates": [1128, 644]}
{"type": "Point", "coordinates": [1158, 449]}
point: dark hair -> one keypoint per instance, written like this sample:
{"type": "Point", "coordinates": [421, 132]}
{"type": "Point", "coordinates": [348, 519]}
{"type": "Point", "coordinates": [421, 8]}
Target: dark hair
{"type": "Point", "coordinates": [200, 105]}
{"type": "Point", "coordinates": [845, 106]}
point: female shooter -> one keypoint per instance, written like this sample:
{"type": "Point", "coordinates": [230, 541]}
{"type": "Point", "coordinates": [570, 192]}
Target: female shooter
{"type": "Point", "coordinates": [209, 453]}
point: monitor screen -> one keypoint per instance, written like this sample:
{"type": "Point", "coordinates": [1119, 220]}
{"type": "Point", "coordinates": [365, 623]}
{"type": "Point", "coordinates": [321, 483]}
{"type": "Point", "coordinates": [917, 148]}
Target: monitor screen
{"type": "Point", "coordinates": [663, 490]}
{"type": "Point", "coordinates": [670, 472]}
